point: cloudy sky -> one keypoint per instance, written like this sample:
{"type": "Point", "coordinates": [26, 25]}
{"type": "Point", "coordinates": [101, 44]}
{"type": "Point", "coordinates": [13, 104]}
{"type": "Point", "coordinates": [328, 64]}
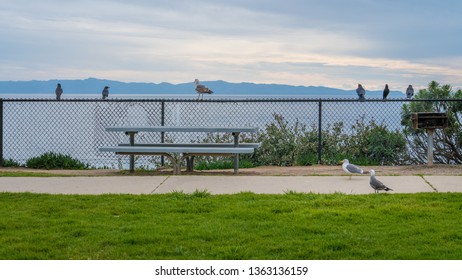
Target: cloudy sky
{"type": "Point", "coordinates": [335, 43]}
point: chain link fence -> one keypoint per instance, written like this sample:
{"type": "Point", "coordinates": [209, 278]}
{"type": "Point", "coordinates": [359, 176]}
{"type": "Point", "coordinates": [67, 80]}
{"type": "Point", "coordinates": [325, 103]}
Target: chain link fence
{"type": "Point", "coordinates": [32, 127]}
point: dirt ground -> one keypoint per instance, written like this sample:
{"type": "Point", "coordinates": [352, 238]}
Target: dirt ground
{"type": "Point", "coordinates": [315, 170]}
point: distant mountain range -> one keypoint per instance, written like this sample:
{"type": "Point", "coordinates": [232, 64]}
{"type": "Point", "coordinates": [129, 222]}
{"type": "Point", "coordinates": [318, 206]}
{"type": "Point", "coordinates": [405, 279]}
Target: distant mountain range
{"type": "Point", "coordinates": [95, 86]}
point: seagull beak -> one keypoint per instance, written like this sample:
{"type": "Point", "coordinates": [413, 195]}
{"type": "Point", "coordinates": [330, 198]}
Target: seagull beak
{"type": "Point", "coordinates": [341, 162]}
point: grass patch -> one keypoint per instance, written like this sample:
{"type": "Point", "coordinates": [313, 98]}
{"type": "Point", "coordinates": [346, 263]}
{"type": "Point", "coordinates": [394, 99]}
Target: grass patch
{"type": "Point", "coordinates": [221, 164]}
{"type": "Point", "coordinates": [240, 226]}
{"type": "Point", "coordinates": [30, 174]}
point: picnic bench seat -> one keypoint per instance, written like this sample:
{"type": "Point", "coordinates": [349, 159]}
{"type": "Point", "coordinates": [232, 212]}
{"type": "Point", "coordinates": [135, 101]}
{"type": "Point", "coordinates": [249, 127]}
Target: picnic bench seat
{"type": "Point", "coordinates": [204, 145]}
{"type": "Point", "coordinates": [187, 151]}
{"type": "Point", "coordinates": [178, 152]}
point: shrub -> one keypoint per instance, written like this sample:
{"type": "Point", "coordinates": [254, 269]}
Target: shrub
{"type": "Point", "coordinates": [10, 163]}
{"type": "Point", "coordinates": [279, 144]}
{"type": "Point", "coordinates": [55, 161]}
{"type": "Point", "coordinates": [283, 144]}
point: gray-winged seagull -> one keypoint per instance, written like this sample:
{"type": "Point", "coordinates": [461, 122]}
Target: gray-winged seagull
{"type": "Point", "coordinates": [351, 168]}
{"type": "Point", "coordinates": [201, 89]}
{"type": "Point", "coordinates": [376, 184]}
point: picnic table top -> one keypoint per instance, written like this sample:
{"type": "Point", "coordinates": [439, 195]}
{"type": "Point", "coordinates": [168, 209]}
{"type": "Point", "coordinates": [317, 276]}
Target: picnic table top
{"type": "Point", "coordinates": [182, 128]}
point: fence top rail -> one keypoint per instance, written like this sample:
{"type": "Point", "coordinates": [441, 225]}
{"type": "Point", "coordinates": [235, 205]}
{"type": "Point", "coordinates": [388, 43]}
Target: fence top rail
{"type": "Point", "coordinates": [248, 100]}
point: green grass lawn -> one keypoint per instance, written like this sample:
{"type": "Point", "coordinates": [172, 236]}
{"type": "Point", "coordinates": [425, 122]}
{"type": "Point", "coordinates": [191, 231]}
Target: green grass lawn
{"type": "Point", "coordinates": [241, 226]}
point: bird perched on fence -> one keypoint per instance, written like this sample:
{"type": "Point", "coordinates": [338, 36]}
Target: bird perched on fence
{"type": "Point", "coordinates": [351, 168]}
{"type": "Point", "coordinates": [409, 92]}
{"type": "Point", "coordinates": [386, 91]}
{"type": "Point", "coordinates": [201, 89]}
{"type": "Point", "coordinates": [361, 92]}
{"type": "Point", "coordinates": [105, 92]}
{"type": "Point", "coordinates": [376, 184]}
{"type": "Point", "coordinates": [58, 92]}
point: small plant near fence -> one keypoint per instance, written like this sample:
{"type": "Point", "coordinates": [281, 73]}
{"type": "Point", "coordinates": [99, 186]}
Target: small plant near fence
{"type": "Point", "coordinates": [10, 163]}
{"type": "Point", "coordinates": [55, 161]}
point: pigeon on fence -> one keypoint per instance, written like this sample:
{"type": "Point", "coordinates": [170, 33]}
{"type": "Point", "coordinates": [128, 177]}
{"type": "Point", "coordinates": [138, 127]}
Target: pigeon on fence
{"type": "Point", "coordinates": [386, 91]}
{"type": "Point", "coordinates": [409, 92]}
{"type": "Point", "coordinates": [58, 92]}
{"type": "Point", "coordinates": [361, 92]}
{"type": "Point", "coordinates": [105, 92]}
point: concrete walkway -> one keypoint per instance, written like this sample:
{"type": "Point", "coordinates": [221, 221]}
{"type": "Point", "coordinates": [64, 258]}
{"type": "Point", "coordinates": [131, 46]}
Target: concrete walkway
{"type": "Point", "coordinates": [226, 184]}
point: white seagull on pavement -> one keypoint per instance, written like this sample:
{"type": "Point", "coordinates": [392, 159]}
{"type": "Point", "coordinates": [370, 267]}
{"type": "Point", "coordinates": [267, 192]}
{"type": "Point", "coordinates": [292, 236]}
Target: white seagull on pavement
{"type": "Point", "coordinates": [351, 168]}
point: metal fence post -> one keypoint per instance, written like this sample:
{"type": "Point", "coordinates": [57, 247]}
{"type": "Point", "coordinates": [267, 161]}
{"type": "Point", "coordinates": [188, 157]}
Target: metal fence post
{"type": "Point", "coordinates": [1, 132]}
{"type": "Point", "coordinates": [162, 123]}
{"type": "Point", "coordinates": [319, 130]}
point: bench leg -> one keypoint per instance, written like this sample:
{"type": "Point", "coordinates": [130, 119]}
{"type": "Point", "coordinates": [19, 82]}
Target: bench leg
{"type": "Point", "coordinates": [132, 157]}
{"type": "Point", "coordinates": [236, 163]}
{"type": "Point", "coordinates": [132, 163]}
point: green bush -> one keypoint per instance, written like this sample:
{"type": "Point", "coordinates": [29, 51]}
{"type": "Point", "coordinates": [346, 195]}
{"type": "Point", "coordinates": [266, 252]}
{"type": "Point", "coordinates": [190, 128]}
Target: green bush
{"type": "Point", "coordinates": [283, 144]}
{"type": "Point", "coordinates": [385, 146]}
{"type": "Point", "coordinates": [367, 144]}
{"type": "Point", "coordinates": [10, 163]}
{"type": "Point", "coordinates": [279, 143]}
{"type": "Point", "coordinates": [55, 161]}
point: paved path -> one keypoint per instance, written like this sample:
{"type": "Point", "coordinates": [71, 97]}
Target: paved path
{"type": "Point", "coordinates": [226, 184]}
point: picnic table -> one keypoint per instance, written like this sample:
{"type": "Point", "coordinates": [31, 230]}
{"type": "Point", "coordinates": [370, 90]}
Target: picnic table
{"type": "Point", "coordinates": [188, 150]}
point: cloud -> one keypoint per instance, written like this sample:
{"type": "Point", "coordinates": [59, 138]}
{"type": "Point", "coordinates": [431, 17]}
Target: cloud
{"type": "Point", "coordinates": [330, 42]}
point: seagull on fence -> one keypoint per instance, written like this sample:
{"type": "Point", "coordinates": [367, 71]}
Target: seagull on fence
{"type": "Point", "coordinates": [351, 168]}
{"type": "Point", "coordinates": [386, 91]}
{"type": "Point", "coordinates": [201, 89]}
{"type": "Point", "coordinates": [376, 184]}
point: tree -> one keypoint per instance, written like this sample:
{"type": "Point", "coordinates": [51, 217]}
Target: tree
{"type": "Point", "coordinates": [448, 141]}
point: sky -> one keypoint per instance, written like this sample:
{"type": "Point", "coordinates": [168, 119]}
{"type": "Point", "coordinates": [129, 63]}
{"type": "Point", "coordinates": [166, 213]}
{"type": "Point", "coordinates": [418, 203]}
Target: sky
{"type": "Point", "coordinates": [333, 43]}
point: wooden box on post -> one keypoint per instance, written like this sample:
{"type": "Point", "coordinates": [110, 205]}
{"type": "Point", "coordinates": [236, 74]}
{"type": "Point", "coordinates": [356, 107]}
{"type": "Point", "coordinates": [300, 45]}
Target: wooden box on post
{"type": "Point", "coordinates": [430, 121]}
